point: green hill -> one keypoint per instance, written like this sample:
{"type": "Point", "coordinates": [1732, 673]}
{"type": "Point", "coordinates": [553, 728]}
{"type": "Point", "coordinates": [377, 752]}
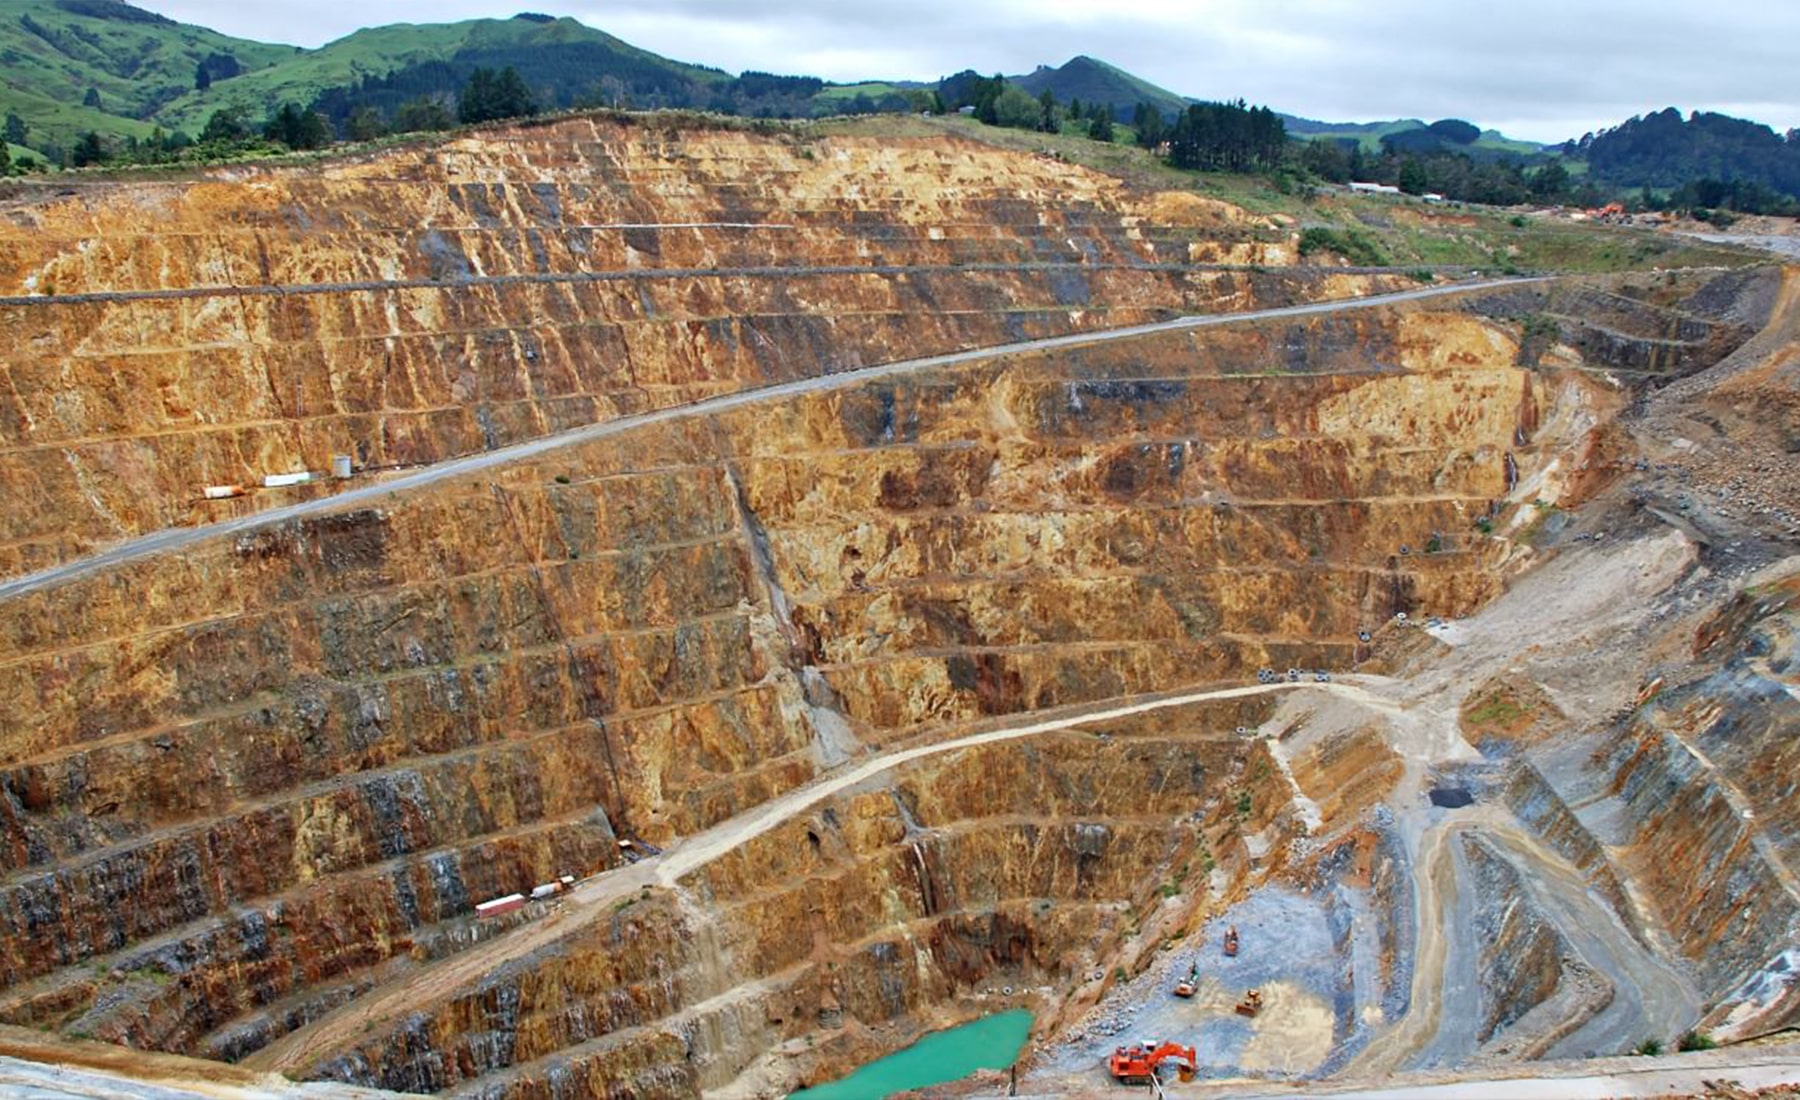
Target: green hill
{"type": "Point", "coordinates": [1093, 81]}
{"type": "Point", "coordinates": [1370, 134]}
{"type": "Point", "coordinates": [1366, 134]}
{"type": "Point", "coordinates": [54, 52]}
{"type": "Point", "coordinates": [564, 61]}
{"type": "Point", "coordinates": [58, 58]}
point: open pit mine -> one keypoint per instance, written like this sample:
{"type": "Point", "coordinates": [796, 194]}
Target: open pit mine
{"type": "Point", "coordinates": [637, 608]}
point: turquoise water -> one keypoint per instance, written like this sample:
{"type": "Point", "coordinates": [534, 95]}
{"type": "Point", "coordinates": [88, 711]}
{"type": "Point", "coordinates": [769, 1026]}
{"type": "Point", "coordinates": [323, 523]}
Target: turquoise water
{"type": "Point", "coordinates": [991, 1042]}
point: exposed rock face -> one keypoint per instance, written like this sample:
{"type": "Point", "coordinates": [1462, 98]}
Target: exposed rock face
{"type": "Point", "coordinates": [309, 749]}
{"type": "Point", "coordinates": [243, 787]}
{"type": "Point", "coordinates": [449, 299]}
{"type": "Point", "coordinates": [1707, 773]}
{"type": "Point", "coordinates": [1522, 956]}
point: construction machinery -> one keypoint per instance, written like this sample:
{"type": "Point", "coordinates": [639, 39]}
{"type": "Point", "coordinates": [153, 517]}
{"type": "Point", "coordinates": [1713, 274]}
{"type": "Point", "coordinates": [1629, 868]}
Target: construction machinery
{"type": "Point", "coordinates": [1231, 941]}
{"type": "Point", "coordinates": [1138, 1065]}
{"type": "Point", "coordinates": [1251, 1004]}
{"type": "Point", "coordinates": [1186, 987]}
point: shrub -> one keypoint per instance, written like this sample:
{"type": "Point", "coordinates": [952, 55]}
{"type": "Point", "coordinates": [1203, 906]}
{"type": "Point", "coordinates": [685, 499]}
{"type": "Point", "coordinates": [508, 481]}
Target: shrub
{"type": "Point", "coordinates": [1696, 1040]}
{"type": "Point", "coordinates": [1351, 244]}
{"type": "Point", "coordinates": [1649, 1048]}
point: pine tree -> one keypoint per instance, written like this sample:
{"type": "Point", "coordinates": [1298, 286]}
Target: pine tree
{"type": "Point", "coordinates": [489, 95]}
{"type": "Point", "coordinates": [422, 113]}
{"type": "Point", "coordinates": [89, 150]}
{"type": "Point", "coordinates": [365, 124]}
{"type": "Point", "coordinates": [1148, 122]}
{"type": "Point", "coordinates": [476, 103]}
{"type": "Point", "coordinates": [1413, 180]}
{"type": "Point", "coordinates": [226, 125]}
{"type": "Point", "coordinates": [314, 132]}
{"type": "Point", "coordinates": [514, 95]}
{"type": "Point", "coordinates": [1100, 127]}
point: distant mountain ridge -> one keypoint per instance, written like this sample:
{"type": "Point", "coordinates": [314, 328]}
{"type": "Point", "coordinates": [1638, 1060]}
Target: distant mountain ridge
{"type": "Point", "coordinates": [145, 72]}
{"type": "Point", "coordinates": [1095, 82]}
{"type": "Point", "coordinates": [71, 67]}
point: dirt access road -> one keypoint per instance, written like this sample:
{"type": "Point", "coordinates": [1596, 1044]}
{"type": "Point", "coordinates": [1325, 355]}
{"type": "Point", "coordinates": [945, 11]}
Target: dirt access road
{"type": "Point", "coordinates": [1604, 1079]}
{"type": "Point", "coordinates": [300, 1050]}
{"type": "Point", "coordinates": [1649, 997]}
{"type": "Point", "coordinates": [177, 538]}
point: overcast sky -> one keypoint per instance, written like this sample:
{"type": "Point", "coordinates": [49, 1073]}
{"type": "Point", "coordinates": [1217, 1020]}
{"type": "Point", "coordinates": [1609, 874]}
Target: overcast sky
{"type": "Point", "coordinates": [1544, 70]}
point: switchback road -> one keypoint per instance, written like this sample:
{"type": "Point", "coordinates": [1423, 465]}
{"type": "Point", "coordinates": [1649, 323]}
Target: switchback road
{"type": "Point", "coordinates": [302, 1049]}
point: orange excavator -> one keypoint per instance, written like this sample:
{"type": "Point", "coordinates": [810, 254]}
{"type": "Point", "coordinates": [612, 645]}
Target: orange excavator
{"type": "Point", "coordinates": [1137, 1065]}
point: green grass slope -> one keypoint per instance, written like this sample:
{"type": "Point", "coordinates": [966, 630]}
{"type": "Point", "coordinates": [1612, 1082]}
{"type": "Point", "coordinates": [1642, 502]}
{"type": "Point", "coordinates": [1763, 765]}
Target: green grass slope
{"type": "Point", "coordinates": [528, 44]}
{"type": "Point", "coordinates": [1500, 143]}
{"type": "Point", "coordinates": [1369, 134]}
{"type": "Point", "coordinates": [1366, 134]}
{"type": "Point", "coordinates": [53, 51]}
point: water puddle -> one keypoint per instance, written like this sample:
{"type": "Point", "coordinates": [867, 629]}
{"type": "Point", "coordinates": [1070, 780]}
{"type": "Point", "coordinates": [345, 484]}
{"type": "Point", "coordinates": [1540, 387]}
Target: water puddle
{"type": "Point", "coordinates": [1451, 798]}
{"type": "Point", "coordinates": [991, 1042]}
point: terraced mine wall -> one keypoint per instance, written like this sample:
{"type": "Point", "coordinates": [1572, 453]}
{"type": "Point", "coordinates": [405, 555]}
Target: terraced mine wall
{"type": "Point", "coordinates": [247, 790]}
{"type": "Point", "coordinates": [246, 785]}
{"type": "Point", "coordinates": [994, 869]}
{"type": "Point", "coordinates": [1677, 813]}
{"type": "Point", "coordinates": [1523, 956]}
{"type": "Point", "coordinates": [1705, 774]}
{"type": "Point", "coordinates": [444, 300]}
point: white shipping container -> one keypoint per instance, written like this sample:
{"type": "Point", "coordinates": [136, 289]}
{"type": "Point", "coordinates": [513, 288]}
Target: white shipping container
{"type": "Point", "coordinates": [500, 905]}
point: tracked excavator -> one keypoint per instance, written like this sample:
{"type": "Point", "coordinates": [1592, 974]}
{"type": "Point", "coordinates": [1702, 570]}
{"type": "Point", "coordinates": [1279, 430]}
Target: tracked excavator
{"type": "Point", "coordinates": [1138, 1065]}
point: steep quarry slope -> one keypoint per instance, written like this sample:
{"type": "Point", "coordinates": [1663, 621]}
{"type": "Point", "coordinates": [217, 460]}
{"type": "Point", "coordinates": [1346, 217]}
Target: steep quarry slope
{"type": "Point", "coordinates": [446, 299]}
{"type": "Point", "coordinates": [252, 794]}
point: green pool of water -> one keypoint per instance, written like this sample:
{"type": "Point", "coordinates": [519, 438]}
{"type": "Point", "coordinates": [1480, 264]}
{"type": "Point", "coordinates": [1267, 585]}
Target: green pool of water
{"type": "Point", "coordinates": [991, 1042]}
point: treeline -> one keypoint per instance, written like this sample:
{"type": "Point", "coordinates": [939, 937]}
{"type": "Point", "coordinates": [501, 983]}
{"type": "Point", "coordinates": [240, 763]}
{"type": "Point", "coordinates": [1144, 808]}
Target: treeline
{"type": "Point", "coordinates": [1224, 137]}
{"type": "Point", "coordinates": [1493, 179]}
{"type": "Point", "coordinates": [1228, 137]}
{"type": "Point", "coordinates": [1665, 150]}
{"type": "Point", "coordinates": [231, 133]}
{"type": "Point", "coordinates": [561, 77]}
